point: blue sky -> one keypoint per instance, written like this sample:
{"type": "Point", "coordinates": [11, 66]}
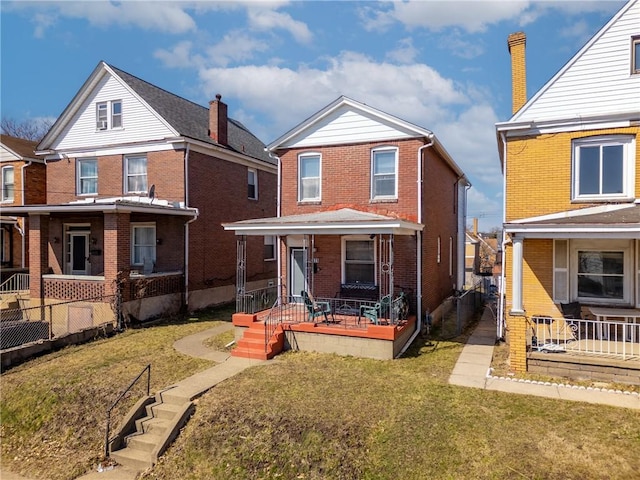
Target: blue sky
{"type": "Point", "coordinates": [443, 65]}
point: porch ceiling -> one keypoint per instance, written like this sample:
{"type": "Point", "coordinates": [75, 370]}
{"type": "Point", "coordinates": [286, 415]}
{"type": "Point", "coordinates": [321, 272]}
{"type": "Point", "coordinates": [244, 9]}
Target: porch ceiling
{"type": "Point", "coordinates": [336, 222]}
{"type": "Point", "coordinates": [609, 221]}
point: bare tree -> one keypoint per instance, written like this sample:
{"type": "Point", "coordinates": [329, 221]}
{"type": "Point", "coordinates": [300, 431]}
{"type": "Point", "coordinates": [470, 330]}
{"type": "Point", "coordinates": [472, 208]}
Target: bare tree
{"type": "Point", "coordinates": [30, 129]}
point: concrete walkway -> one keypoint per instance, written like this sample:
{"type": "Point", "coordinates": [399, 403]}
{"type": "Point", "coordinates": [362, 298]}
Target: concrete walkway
{"type": "Point", "coordinates": [473, 370]}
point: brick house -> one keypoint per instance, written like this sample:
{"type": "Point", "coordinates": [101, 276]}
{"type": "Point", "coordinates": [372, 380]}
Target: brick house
{"type": "Point", "coordinates": [368, 205]}
{"type": "Point", "coordinates": [572, 215]}
{"type": "Point", "coordinates": [23, 182]}
{"type": "Point", "coordinates": [138, 182]}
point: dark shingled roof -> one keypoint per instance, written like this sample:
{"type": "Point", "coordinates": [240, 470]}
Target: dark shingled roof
{"type": "Point", "coordinates": [192, 120]}
{"type": "Point", "coordinates": [24, 148]}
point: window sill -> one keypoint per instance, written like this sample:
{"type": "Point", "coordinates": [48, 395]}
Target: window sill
{"type": "Point", "coordinates": [383, 200]}
{"type": "Point", "coordinates": [603, 199]}
{"type": "Point", "coordinates": [309, 202]}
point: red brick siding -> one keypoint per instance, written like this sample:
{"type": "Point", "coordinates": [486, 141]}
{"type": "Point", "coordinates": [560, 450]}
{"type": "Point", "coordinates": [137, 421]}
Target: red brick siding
{"type": "Point", "coordinates": [35, 184]}
{"type": "Point", "coordinates": [218, 189]}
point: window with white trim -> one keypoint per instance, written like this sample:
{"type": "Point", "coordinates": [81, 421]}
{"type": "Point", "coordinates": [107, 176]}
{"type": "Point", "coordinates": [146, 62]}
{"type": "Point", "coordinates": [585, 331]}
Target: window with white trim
{"type": "Point", "coordinates": [603, 168]}
{"type": "Point", "coordinates": [359, 260]}
{"type": "Point", "coordinates": [143, 243]}
{"type": "Point", "coordinates": [269, 247]}
{"type": "Point", "coordinates": [87, 176]}
{"type": "Point", "coordinates": [252, 184]}
{"type": "Point", "coordinates": [135, 174]}
{"type": "Point", "coordinates": [635, 55]}
{"type": "Point", "coordinates": [384, 178]}
{"type": "Point", "coordinates": [5, 245]}
{"type": "Point", "coordinates": [593, 271]}
{"type": "Point", "coordinates": [8, 184]}
{"type": "Point", "coordinates": [106, 111]}
{"type": "Point", "coordinates": [309, 185]}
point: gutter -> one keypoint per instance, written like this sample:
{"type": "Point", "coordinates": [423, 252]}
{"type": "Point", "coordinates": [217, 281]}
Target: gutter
{"type": "Point", "coordinates": [419, 183]}
{"type": "Point", "coordinates": [186, 227]}
{"type": "Point", "coordinates": [278, 214]}
{"type": "Point", "coordinates": [501, 301]}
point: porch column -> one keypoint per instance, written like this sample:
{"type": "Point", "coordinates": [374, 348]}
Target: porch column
{"type": "Point", "coordinates": [516, 277]}
{"type": "Point", "coordinates": [38, 253]}
{"type": "Point", "coordinates": [117, 251]}
{"type": "Point", "coordinates": [385, 265]}
{"type": "Point", "coordinates": [241, 266]}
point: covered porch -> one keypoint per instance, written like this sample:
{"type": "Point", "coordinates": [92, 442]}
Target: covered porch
{"type": "Point", "coordinates": [339, 278]}
{"type": "Point", "coordinates": [131, 247]}
{"type": "Point", "coordinates": [574, 285]}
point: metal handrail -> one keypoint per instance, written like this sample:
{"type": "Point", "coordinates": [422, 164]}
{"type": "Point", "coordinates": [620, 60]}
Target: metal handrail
{"type": "Point", "coordinates": [106, 436]}
{"type": "Point", "coordinates": [17, 282]}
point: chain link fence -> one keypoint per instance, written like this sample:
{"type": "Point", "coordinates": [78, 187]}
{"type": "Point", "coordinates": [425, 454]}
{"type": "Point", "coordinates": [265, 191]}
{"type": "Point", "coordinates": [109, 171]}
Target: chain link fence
{"type": "Point", "coordinates": [26, 325]}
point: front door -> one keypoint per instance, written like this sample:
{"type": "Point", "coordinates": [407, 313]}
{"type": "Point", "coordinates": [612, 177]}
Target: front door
{"type": "Point", "coordinates": [297, 272]}
{"type": "Point", "coordinates": [78, 253]}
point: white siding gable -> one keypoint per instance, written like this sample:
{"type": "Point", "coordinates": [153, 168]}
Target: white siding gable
{"type": "Point", "coordinates": [347, 124]}
{"type": "Point", "coordinates": [7, 155]}
{"type": "Point", "coordinates": [139, 122]}
{"type": "Point", "coordinates": [595, 82]}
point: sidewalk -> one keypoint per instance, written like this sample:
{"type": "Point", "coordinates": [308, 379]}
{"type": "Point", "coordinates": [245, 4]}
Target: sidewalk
{"type": "Point", "coordinates": [473, 370]}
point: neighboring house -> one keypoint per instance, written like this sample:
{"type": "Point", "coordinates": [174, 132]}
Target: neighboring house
{"type": "Point", "coordinates": [571, 161]}
{"type": "Point", "coordinates": [138, 183]}
{"type": "Point", "coordinates": [369, 205]}
{"type": "Point", "coordinates": [23, 182]}
{"type": "Point", "coordinates": [481, 254]}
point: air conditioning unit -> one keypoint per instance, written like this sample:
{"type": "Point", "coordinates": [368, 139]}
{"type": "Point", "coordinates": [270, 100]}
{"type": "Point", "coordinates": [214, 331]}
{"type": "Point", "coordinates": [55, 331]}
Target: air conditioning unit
{"type": "Point", "coordinates": [101, 125]}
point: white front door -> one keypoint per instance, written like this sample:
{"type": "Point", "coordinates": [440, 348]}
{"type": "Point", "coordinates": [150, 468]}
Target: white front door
{"type": "Point", "coordinates": [297, 272]}
{"type": "Point", "coordinates": [78, 253]}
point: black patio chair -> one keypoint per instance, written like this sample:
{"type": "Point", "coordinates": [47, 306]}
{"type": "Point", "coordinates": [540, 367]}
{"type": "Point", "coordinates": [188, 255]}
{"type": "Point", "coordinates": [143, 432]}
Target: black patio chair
{"type": "Point", "coordinates": [570, 312]}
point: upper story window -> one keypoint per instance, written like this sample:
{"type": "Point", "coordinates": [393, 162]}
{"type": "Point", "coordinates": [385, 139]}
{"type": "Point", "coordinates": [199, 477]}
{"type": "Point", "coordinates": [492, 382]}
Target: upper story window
{"type": "Point", "coordinates": [635, 55]}
{"type": "Point", "coordinates": [309, 177]}
{"type": "Point", "coordinates": [87, 176]}
{"type": "Point", "coordinates": [384, 178]}
{"type": "Point", "coordinates": [136, 174]}
{"type": "Point", "coordinates": [8, 185]}
{"type": "Point", "coordinates": [603, 168]}
{"type": "Point", "coordinates": [106, 111]}
{"type": "Point", "coordinates": [252, 184]}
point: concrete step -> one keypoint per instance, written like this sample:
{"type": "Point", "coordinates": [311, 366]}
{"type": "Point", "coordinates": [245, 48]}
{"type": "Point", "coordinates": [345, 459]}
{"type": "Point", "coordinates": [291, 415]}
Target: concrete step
{"type": "Point", "coordinates": [252, 343]}
{"type": "Point", "coordinates": [166, 410]}
{"type": "Point", "coordinates": [157, 426]}
{"type": "Point", "coordinates": [254, 354]}
{"type": "Point", "coordinates": [136, 460]}
{"type": "Point", "coordinates": [146, 442]}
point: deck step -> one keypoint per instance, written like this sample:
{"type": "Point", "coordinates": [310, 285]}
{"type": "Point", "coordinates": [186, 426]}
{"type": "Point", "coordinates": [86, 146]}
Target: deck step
{"type": "Point", "coordinates": [252, 344]}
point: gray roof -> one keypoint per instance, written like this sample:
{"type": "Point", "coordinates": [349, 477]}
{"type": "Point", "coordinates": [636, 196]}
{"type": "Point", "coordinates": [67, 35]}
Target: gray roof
{"type": "Point", "coordinates": [192, 120]}
{"type": "Point", "coordinates": [623, 216]}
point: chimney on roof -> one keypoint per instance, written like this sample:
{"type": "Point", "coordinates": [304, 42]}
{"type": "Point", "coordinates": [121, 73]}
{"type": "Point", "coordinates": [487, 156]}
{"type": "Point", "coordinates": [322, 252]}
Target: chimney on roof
{"type": "Point", "coordinates": [517, 43]}
{"type": "Point", "coordinates": [218, 120]}
{"type": "Point", "coordinates": [475, 226]}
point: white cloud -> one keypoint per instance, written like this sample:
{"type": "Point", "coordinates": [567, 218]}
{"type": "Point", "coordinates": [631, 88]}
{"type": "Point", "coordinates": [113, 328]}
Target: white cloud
{"type": "Point", "coordinates": [264, 19]}
{"type": "Point", "coordinates": [235, 47]}
{"type": "Point", "coordinates": [179, 56]}
{"type": "Point", "coordinates": [404, 53]}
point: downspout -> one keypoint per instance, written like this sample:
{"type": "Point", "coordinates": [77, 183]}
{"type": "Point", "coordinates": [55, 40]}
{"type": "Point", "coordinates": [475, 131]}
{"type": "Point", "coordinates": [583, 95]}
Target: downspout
{"type": "Point", "coordinates": [186, 227]}
{"type": "Point", "coordinates": [419, 183]}
{"type": "Point", "coordinates": [278, 186]}
{"type": "Point", "coordinates": [500, 314]}
{"type": "Point", "coordinates": [20, 230]}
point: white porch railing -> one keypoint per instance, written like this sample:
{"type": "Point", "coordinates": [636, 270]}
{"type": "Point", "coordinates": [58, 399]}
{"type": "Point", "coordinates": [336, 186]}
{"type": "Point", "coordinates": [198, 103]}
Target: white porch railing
{"type": "Point", "coordinates": [18, 282]}
{"type": "Point", "coordinates": [593, 337]}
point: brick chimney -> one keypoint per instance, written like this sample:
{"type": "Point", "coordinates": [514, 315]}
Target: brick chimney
{"type": "Point", "coordinates": [475, 226]}
{"type": "Point", "coordinates": [517, 43]}
{"type": "Point", "coordinates": [218, 120]}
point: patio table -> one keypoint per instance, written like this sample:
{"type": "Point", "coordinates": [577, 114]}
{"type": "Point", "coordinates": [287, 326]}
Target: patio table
{"type": "Point", "coordinates": [630, 315]}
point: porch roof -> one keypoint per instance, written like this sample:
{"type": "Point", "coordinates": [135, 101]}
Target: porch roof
{"type": "Point", "coordinates": [106, 205]}
{"type": "Point", "coordinates": [345, 221]}
{"type": "Point", "coordinates": [607, 221]}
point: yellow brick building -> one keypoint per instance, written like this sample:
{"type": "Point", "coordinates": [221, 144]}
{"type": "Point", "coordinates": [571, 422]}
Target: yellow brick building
{"type": "Point", "coordinates": [571, 165]}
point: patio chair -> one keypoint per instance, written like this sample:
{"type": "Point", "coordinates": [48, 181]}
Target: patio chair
{"type": "Point", "coordinates": [573, 311]}
{"type": "Point", "coordinates": [375, 312]}
{"type": "Point", "coordinates": [316, 309]}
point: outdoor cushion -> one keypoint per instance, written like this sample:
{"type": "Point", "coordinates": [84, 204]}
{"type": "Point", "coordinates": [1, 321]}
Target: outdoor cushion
{"type": "Point", "coordinates": [571, 310]}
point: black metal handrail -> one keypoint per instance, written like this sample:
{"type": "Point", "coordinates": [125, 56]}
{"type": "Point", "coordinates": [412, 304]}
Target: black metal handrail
{"type": "Point", "coordinates": [108, 429]}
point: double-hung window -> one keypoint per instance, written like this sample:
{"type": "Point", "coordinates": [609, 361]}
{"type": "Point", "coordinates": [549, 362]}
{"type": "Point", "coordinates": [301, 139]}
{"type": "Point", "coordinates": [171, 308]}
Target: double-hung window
{"type": "Point", "coordinates": [109, 115]}
{"type": "Point", "coordinates": [603, 168]}
{"type": "Point", "coordinates": [635, 55]}
{"type": "Point", "coordinates": [384, 178]}
{"type": "Point", "coordinates": [143, 243]}
{"type": "Point", "coordinates": [252, 184]}
{"type": "Point", "coordinates": [359, 260]}
{"type": "Point", "coordinates": [269, 247]}
{"type": "Point", "coordinates": [8, 185]}
{"type": "Point", "coordinates": [136, 174]}
{"type": "Point", "coordinates": [309, 177]}
{"type": "Point", "coordinates": [87, 176]}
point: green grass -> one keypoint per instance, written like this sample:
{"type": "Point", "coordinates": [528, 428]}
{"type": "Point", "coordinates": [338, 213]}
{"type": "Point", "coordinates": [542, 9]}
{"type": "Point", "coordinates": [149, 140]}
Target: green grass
{"type": "Point", "coordinates": [312, 416]}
